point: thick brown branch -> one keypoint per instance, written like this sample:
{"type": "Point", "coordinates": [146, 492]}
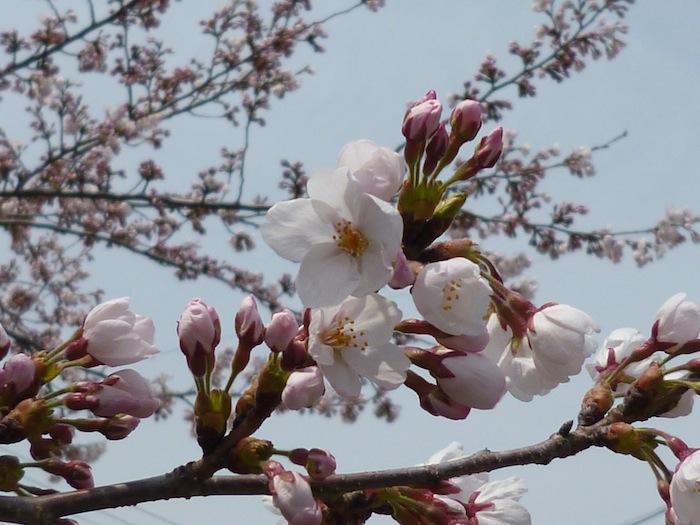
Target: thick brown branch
{"type": "Point", "coordinates": [178, 484]}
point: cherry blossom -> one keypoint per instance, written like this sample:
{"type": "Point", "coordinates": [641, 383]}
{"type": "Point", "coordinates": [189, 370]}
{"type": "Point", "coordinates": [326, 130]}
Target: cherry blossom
{"type": "Point", "coordinates": [281, 330]}
{"type": "Point", "coordinates": [18, 372]}
{"type": "Point", "coordinates": [304, 387]}
{"type": "Point", "coordinates": [248, 324]}
{"type": "Point", "coordinates": [480, 501]}
{"type": "Point", "coordinates": [125, 392]}
{"type": "Point", "coordinates": [556, 344]}
{"type": "Point", "coordinates": [199, 331]}
{"type": "Point", "coordinates": [466, 119]}
{"type": "Point", "coordinates": [616, 347]}
{"type": "Point", "coordinates": [685, 498]}
{"type": "Point", "coordinates": [452, 296]}
{"type": "Point", "coordinates": [116, 336]}
{"type": "Point", "coordinates": [476, 382]}
{"type": "Point", "coordinates": [353, 340]}
{"type": "Point", "coordinates": [678, 320]}
{"type": "Point", "coordinates": [378, 170]}
{"type": "Point", "coordinates": [345, 239]}
{"type": "Point", "coordinates": [292, 495]}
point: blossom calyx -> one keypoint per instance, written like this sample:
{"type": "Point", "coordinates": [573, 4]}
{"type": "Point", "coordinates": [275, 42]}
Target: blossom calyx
{"type": "Point", "coordinates": [249, 455]}
{"type": "Point", "coordinates": [595, 404]}
{"type": "Point", "coordinates": [211, 411]}
{"type": "Point", "coordinates": [199, 331]}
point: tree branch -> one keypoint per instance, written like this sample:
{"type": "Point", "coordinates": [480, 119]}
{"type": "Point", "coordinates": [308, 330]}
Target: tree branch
{"type": "Point", "coordinates": [180, 484]}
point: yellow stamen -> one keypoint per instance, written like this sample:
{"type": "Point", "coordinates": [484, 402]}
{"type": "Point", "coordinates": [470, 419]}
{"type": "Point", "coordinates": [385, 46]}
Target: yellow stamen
{"type": "Point", "coordinates": [349, 239]}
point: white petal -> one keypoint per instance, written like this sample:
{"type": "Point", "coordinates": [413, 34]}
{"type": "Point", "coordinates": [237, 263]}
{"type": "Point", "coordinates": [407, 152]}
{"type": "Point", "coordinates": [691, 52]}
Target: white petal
{"type": "Point", "coordinates": [327, 276]}
{"type": "Point", "coordinates": [292, 227]}
{"type": "Point", "coordinates": [510, 488]}
{"type": "Point", "coordinates": [454, 450]}
{"type": "Point", "coordinates": [373, 314]}
{"type": "Point", "coordinates": [355, 154]}
{"type": "Point", "coordinates": [478, 382]}
{"type": "Point", "coordinates": [342, 378]}
{"type": "Point", "coordinates": [335, 189]}
{"type": "Point", "coordinates": [506, 512]}
{"type": "Point", "coordinates": [385, 366]}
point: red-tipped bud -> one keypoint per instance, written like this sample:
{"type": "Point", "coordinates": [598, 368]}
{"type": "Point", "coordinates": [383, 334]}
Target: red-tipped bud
{"type": "Point", "coordinates": [320, 464]}
{"type": "Point", "coordinates": [436, 149]}
{"type": "Point", "coordinates": [119, 427]}
{"type": "Point", "coordinates": [489, 149]}
{"type": "Point", "coordinates": [248, 324]}
{"type": "Point", "coordinates": [76, 473]}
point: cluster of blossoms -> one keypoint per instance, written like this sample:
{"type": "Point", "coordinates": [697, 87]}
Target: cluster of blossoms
{"type": "Point", "coordinates": [37, 410]}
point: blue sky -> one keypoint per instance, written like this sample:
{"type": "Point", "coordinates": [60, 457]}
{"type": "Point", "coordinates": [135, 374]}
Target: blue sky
{"type": "Point", "coordinates": [373, 65]}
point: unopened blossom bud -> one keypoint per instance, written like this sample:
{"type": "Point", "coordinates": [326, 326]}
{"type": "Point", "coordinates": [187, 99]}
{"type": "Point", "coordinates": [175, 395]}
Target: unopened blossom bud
{"type": "Point", "coordinates": [281, 330]}
{"type": "Point", "coordinates": [125, 392]}
{"type": "Point", "coordinates": [248, 324]}
{"type": "Point", "coordinates": [452, 296]}
{"type": "Point", "coordinates": [685, 498]}
{"type": "Point", "coordinates": [466, 120]}
{"type": "Point", "coordinates": [477, 381]}
{"type": "Point", "coordinates": [76, 473]}
{"type": "Point", "coordinates": [304, 387]}
{"type": "Point", "coordinates": [677, 321]}
{"type": "Point", "coordinates": [199, 331]}
{"type": "Point", "coordinates": [489, 149]}
{"type": "Point", "coordinates": [62, 434]}
{"type": "Point", "coordinates": [464, 343]}
{"type": "Point", "coordinates": [5, 342]}
{"type": "Point", "coordinates": [18, 374]}
{"type": "Point", "coordinates": [435, 149]}
{"type": "Point", "coordinates": [422, 120]}
{"type": "Point", "coordinates": [320, 464]}
{"type": "Point", "coordinates": [403, 275]}
{"type": "Point", "coordinates": [292, 495]}
{"type": "Point", "coordinates": [595, 404]}
{"type": "Point", "coordinates": [116, 336]}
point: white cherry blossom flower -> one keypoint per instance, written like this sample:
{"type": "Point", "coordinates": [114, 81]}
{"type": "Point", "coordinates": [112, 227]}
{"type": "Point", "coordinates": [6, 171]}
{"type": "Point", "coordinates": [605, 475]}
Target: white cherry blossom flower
{"type": "Point", "coordinates": [477, 383]}
{"type": "Point", "coordinates": [116, 336]}
{"type": "Point", "coordinates": [678, 320]}
{"type": "Point", "coordinates": [353, 340]}
{"type": "Point", "coordinates": [378, 170]}
{"type": "Point", "coordinates": [685, 497]}
{"type": "Point", "coordinates": [452, 296]}
{"type": "Point", "coordinates": [345, 239]}
{"type": "Point", "coordinates": [617, 346]}
{"type": "Point", "coordinates": [555, 347]}
{"type": "Point", "coordinates": [484, 502]}
{"type": "Point", "coordinates": [292, 495]}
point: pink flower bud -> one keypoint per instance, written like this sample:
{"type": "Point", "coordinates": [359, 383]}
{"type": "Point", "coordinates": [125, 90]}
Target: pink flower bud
{"type": "Point", "coordinates": [294, 355]}
{"type": "Point", "coordinates": [5, 342]}
{"type": "Point", "coordinates": [320, 464]}
{"type": "Point", "coordinates": [18, 373]}
{"type": "Point", "coordinates": [61, 434]}
{"type": "Point", "coordinates": [281, 330]}
{"type": "Point", "coordinates": [76, 473]}
{"type": "Point", "coordinates": [292, 495]}
{"type": "Point", "coordinates": [403, 274]}
{"type": "Point", "coordinates": [466, 120]}
{"type": "Point", "coordinates": [248, 324]}
{"type": "Point", "coordinates": [304, 387]}
{"type": "Point", "coordinates": [477, 381]}
{"type": "Point", "coordinates": [436, 149]}
{"type": "Point", "coordinates": [489, 149]}
{"type": "Point", "coordinates": [199, 330]}
{"type": "Point", "coordinates": [124, 392]}
{"type": "Point", "coordinates": [422, 120]}
{"type": "Point", "coordinates": [116, 336]}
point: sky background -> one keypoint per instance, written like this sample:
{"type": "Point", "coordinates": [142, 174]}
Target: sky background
{"type": "Point", "coordinates": [375, 63]}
